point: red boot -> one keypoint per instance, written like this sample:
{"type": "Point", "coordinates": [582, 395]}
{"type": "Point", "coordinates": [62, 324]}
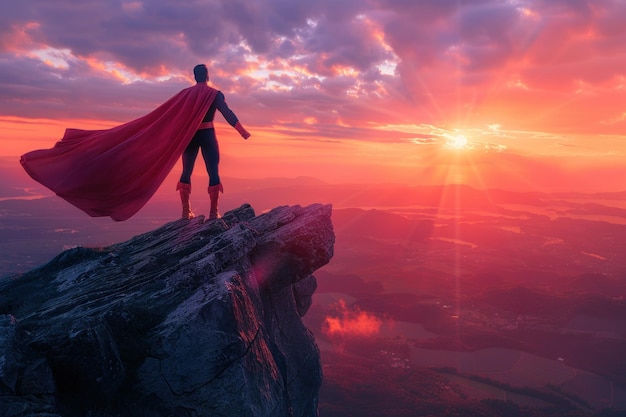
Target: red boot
{"type": "Point", "coordinates": [185, 192]}
{"type": "Point", "coordinates": [214, 195]}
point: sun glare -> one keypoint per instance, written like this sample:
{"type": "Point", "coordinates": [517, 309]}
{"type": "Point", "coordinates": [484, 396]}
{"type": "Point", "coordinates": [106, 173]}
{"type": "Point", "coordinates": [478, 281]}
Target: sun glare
{"type": "Point", "coordinates": [457, 142]}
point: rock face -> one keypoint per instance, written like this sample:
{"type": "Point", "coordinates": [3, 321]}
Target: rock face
{"type": "Point", "coordinates": [196, 318]}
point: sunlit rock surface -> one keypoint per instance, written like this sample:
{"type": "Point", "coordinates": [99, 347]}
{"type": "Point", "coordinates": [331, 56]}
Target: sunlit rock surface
{"type": "Point", "coordinates": [196, 318]}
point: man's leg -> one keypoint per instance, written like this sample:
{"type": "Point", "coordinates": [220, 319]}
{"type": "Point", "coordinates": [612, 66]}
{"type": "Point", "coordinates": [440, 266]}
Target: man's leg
{"type": "Point", "coordinates": [211, 155]}
{"type": "Point", "coordinates": [184, 185]}
{"type": "Point", "coordinates": [189, 159]}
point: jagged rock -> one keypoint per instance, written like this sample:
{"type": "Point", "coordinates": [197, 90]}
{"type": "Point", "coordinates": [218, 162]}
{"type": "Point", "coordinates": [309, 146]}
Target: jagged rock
{"type": "Point", "coordinates": [196, 318]}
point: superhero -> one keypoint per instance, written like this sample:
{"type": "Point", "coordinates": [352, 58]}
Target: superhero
{"type": "Point", "coordinates": [114, 172]}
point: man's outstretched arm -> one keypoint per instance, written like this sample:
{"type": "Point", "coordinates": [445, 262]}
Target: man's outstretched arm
{"type": "Point", "coordinates": [230, 117]}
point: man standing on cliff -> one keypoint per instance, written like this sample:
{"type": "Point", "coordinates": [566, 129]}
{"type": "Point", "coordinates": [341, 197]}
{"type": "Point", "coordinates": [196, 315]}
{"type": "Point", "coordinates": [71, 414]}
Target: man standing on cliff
{"type": "Point", "coordinates": [114, 172]}
{"type": "Point", "coordinates": [206, 141]}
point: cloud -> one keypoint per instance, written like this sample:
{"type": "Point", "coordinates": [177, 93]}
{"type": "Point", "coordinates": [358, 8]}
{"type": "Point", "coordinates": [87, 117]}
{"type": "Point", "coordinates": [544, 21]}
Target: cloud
{"type": "Point", "coordinates": [487, 36]}
{"type": "Point", "coordinates": [35, 89]}
{"type": "Point", "coordinates": [531, 64]}
{"type": "Point", "coordinates": [351, 322]}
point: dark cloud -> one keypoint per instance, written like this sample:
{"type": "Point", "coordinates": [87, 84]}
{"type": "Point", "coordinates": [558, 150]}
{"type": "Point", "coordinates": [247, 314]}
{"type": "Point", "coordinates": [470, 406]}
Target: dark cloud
{"type": "Point", "coordinates": [300, 58]}
{"type": "Point", "coordinates": [30, 88]}
{"type": "Point", "coordinates": [579, 7]}
{"type": "Point", "coordinates": [428, 12]}
{"type": "Point", "coordinates": [486, 35]}
{"type": "Point", "coordinates": [337, 44]}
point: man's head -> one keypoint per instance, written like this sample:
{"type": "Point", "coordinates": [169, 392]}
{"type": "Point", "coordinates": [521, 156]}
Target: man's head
{"type": "Point", "coordinates": [201, 73]}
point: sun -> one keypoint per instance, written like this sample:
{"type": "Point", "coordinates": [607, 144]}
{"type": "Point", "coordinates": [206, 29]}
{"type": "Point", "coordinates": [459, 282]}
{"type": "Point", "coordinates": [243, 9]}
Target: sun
{"type": "Point", "coordinates": [457, 142]}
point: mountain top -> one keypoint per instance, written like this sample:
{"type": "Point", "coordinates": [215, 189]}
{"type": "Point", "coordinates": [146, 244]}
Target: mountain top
{"type": "Point", "coordinates": [194, 318]}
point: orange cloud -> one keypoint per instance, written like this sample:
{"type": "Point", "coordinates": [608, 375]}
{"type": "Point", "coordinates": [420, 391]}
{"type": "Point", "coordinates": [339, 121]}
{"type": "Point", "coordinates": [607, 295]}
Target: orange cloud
{"type": "Point", "coordinates": [351, 322]}
{"type": "Point", "coordinates": [360, 93]}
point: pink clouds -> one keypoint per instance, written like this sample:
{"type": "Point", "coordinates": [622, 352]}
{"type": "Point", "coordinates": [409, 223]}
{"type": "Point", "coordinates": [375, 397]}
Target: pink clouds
{"type": "Point", "coordinates": [329, 70]}
{"type": "Point", "coordinates": [351, 323]}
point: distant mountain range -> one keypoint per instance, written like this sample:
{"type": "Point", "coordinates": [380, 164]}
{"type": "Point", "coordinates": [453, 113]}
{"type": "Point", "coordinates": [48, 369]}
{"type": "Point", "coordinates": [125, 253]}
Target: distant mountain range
{"type": "Point", "coordinates": [539, 274]}
{"type": "Point", "coordinates": [32, 230]}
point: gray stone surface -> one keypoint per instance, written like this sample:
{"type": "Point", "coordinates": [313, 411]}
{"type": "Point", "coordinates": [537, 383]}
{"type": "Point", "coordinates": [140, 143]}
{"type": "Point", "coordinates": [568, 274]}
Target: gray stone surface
{"type": "Point", "coordinates": [196, 318]}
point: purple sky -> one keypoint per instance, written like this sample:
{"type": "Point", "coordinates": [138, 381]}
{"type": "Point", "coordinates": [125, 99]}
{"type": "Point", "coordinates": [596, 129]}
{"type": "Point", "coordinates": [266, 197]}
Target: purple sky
{"type": "Point", "coordinates": [532, 78]}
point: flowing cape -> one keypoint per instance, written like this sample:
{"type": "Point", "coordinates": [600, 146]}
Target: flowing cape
{"type": "Point", "coordinates": [114, 172]}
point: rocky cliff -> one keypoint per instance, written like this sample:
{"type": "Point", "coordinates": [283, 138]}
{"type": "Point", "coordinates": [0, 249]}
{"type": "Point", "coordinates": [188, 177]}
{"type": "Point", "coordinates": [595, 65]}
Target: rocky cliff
{"type": "Point", "coordinates": [196, 318]}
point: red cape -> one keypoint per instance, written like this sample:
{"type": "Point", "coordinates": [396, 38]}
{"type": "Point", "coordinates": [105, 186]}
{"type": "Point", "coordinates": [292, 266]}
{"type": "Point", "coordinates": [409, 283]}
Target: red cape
{"type": "Point", "coordinates": [114, 172]}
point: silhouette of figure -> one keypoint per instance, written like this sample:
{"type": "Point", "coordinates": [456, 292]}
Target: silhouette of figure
{"type": "Point", "coordinates": [114, 172]}
{"type": "Point", "coordinates": [205, 140]}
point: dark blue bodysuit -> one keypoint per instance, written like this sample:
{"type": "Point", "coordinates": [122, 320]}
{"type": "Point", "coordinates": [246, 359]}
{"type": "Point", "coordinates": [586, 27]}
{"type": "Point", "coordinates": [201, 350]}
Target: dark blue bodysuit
{"type": "Point", "coordinates": [206, 140]}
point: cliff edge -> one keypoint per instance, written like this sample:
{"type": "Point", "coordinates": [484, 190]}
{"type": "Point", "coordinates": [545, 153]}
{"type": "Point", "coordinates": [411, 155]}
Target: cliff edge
{"type": "Point", "coordinates": [195, 318]}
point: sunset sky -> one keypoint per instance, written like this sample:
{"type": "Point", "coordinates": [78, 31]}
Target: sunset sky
{"type": "Point", "coordinates": [520, 94]}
